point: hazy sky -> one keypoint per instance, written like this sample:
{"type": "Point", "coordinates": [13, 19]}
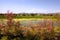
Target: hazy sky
{"type": "Point", "coordinates": [29, 6]}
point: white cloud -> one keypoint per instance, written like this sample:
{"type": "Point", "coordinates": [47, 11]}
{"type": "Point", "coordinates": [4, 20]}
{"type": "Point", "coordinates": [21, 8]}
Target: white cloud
{"type": "Point", "coordinates": [28, 10]}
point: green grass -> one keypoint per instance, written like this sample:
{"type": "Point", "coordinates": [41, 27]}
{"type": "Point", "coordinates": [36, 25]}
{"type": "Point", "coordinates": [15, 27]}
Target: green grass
{"type": "Point", "coordinates": [18, 17]}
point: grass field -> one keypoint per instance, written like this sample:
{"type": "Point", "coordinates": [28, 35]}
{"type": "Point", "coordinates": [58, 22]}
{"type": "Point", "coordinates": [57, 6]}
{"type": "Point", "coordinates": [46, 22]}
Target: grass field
{"type": "Point", "coordinates": [40, 16]}
{"type": "Point", "coordinates": [40, 34]}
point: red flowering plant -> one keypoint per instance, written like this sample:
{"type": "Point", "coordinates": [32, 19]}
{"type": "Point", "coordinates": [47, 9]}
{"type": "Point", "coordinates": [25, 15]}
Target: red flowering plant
{"type": "Point", "coordinates": [9, 17]}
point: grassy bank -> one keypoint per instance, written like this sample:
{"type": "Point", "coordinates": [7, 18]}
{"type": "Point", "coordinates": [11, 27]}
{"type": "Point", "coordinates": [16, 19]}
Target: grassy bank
{"type": "Point", "coordinates": [19, 17]}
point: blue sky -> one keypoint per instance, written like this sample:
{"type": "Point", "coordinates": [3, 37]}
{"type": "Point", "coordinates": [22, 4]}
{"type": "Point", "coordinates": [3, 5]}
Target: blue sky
{"type": "Point", "coordinates": [30, 6]}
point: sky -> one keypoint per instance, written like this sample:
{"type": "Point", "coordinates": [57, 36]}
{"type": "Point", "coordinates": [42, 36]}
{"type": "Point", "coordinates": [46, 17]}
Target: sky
{"type": "Point", "coordinates": [30, 6]}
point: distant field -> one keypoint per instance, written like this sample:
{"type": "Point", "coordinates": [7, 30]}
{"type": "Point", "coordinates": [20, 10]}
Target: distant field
{"type": "Point", "coordinates": [40, 16]}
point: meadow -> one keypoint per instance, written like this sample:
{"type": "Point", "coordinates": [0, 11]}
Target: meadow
{"type": "Point", "coordinates": [29, 28]}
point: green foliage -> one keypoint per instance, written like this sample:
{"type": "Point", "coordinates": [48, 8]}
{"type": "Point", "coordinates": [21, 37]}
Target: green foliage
{"type": "Point", "coordinates": [30, 16]}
